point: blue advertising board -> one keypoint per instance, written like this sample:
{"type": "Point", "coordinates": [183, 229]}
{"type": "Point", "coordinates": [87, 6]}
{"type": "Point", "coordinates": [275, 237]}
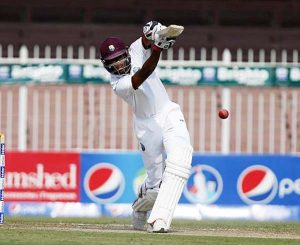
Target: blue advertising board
{"type": "Point", "coordinates": [243, 180]}
{"type": "Point", "coordinates": [233, 180]}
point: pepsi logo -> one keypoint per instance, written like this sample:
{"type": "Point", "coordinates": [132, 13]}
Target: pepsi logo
{"type": "Point", "coordinates": [204, 186]}
{"type": "Point", "coordinates": [257, 184]}
{"type": "Point", "coordinates": [104, 183]}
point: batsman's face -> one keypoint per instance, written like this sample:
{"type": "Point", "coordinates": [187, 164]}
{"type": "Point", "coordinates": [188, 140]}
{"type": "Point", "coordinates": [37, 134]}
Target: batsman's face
{"type": "Point", "coordinates": [120, 66]}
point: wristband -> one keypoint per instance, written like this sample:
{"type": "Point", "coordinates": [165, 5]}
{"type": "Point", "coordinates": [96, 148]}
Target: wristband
{"type": "Point", "coordinates": [156, 48]}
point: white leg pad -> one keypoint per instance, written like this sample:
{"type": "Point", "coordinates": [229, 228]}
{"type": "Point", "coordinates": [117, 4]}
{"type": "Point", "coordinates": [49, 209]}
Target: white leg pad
{"type": "Point", "coordinates": [178, 165]}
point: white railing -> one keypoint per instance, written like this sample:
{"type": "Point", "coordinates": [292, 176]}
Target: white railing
{"type": "Point", "coordinates": [64, 117]}
{"type": "Point", "coordinates": [91, 117]}
{"type": "Point", "coordinates": [90, 53]}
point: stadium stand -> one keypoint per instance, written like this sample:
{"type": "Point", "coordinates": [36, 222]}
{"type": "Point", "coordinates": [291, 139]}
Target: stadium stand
{"type": "Point", "coordinates": [221, 24]}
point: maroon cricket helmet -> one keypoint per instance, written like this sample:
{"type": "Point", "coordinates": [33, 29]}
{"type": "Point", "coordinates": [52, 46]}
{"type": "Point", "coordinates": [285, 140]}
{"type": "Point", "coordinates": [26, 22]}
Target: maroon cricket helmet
{"type": "Point", "coordinates": [112, 48]}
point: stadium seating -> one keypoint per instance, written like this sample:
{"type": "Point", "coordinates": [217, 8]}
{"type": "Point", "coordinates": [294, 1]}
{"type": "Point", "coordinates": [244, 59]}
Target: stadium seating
{"type": "Point", "coordinates": [221, 24]}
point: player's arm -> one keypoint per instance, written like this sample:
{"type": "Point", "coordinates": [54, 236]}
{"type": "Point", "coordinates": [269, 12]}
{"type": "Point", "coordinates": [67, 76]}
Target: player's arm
{"type": "Point", "coordinates": [149, 66]}
{"type": "Point", "coordinates": [150, 39]}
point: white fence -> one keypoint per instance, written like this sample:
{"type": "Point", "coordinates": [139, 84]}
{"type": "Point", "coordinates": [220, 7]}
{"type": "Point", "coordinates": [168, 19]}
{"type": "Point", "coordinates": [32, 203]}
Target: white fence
{"type": "Point", "coordinates": [70, 117]}
{"type": "Point", "coordinates": [203, 54]}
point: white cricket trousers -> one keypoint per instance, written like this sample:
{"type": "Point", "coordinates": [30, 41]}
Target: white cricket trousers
{"type": "Point", "coordinates": [157, 136]}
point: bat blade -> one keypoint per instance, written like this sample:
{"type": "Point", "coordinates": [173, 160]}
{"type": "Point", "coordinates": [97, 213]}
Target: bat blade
{"type": "Point", "coordinates": [171, 31]}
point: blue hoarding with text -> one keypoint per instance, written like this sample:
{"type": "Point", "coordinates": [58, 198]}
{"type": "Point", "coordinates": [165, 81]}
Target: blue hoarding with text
{"type": "Point", "coordinates": [243, 180]}
{"type": "Point", "coordinates": [215, 179]}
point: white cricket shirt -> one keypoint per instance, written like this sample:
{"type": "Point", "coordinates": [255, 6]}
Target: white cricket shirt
{"type": "Point", "coordinates": [151, 97]}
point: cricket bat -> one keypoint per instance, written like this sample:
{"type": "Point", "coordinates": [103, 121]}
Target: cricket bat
{"type": "Point", "coordinates": [171, 31]}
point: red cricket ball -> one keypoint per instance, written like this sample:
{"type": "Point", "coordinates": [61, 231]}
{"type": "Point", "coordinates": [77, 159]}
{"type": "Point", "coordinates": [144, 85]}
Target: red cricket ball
{"type": "Point", "coordinates": [223, 114]}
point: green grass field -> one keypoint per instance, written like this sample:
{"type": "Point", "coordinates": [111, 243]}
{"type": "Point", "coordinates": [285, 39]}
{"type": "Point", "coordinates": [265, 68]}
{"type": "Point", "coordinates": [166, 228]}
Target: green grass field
{"type": "Point", "coordinates": [119, 231]}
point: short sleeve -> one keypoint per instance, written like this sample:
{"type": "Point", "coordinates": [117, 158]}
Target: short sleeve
{"type": "Point", "coordinates": [123, 86]}
{"type": "Point", "coordinates": [138, 53]}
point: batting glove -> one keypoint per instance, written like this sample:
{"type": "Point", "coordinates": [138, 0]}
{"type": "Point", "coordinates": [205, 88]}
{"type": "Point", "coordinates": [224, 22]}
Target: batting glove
{"type": "Point", "coordinates": [164, 43]}
{"type": "Point", "coordinates": [151, 28]}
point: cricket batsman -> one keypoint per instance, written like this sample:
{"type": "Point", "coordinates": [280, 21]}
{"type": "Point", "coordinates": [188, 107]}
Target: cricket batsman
{"type": "Point", "coordinates": [159, 125]}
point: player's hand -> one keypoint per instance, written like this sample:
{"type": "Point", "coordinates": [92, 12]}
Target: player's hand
{"type": "Point", "coordinates": [151, 28]}
{"type": "Point", "coordinates": [164, 43]}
